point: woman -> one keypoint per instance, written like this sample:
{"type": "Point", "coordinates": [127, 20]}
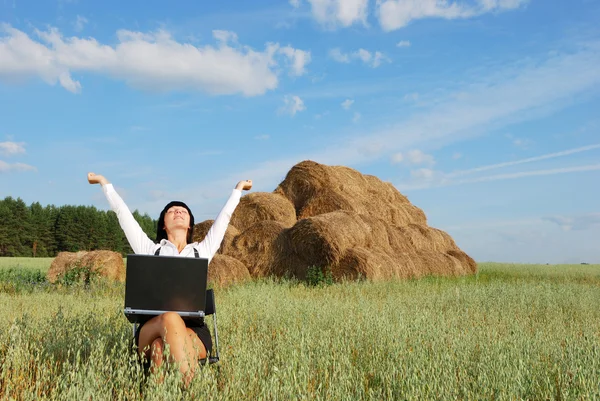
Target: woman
{"type": "Point", "coordinates": [187, 342]}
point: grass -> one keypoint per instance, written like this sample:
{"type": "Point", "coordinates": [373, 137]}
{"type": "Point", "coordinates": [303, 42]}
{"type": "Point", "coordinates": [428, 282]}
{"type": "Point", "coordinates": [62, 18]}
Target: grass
{"type": "Point", "coordinates": [511, 332]}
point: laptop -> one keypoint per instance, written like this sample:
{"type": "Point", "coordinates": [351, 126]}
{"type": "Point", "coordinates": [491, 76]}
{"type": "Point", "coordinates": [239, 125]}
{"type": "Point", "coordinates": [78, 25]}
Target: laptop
{"type": "Point", "coordinates": [158, 284]}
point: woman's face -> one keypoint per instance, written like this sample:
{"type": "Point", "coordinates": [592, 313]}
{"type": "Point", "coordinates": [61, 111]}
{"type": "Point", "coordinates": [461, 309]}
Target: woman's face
{"type": "Point", "coordinates": [177, 218]}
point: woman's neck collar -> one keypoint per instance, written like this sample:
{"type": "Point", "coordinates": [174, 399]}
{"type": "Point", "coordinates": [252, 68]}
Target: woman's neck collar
{"type": "Point", "coordinates": [179, 239]}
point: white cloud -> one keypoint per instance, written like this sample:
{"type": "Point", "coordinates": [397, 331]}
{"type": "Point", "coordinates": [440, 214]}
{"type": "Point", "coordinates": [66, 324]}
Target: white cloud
{"type": "Point", "coordinates": [335, 13]}
{"type": "Point", "coordinates": [150, 61]}
{"type": "Point", "coordinates": [372, 59]}
{"type": "Point", "coordinates": [295, 3]}
{"type": "Point", "coordinates": [298, 59]}
{"type": "Point", "coordinates": [395, 14]}
{"type": "Point", "coordinates": [414, 157]}
{"type": "Point", "coordinates": [457, 155]}
{"type": "Point", "coordinates": [355, 117]}
{"type": "Point", "coordinates": [262, 137]}
{"type": "Point", "coordinates": [397, 158]}
{"type": "Point", "coordinates": [347, 103]}
{"type": "Point", "coordinates": [79, 23]}
{"type": "Point", "coordinates": [12, 148]}
{"type": "Point", "coordinates": [292, 105]}
{"type": "Point", "coordinates": [422, 174]}
{"type": "Point", "coordinates": [338, 56]}
{"type": "Point", "coordinates": [8, 167]}
{"type": "Point", "coordinates": [403, 43]}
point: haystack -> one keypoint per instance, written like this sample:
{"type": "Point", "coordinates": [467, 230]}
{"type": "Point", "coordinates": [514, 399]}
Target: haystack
{"type": "Point", "coordinates": [107, 264]}
{"type": "Point", "coordinates": [263, 206]}
{"type": "Point", "coordinates": [335, 217]}
{"type": "Point", "coordinates": [201, 229]}
{"type": "Point", "coordinates": [225, 270]}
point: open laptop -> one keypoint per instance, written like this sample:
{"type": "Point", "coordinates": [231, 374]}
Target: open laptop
{"type": "Point", "coordinates": [158, 284]}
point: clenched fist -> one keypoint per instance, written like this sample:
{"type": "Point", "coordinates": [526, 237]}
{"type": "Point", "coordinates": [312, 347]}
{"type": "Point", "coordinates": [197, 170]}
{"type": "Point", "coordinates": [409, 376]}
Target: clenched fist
{"type": "Point", "coordinates": [96, 179]}
{"type": "Point", "coordinates": [244, 185]}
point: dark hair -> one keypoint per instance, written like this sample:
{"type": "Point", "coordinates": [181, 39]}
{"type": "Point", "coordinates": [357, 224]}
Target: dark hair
{"type": "Point", "coordinates": [161, 233]}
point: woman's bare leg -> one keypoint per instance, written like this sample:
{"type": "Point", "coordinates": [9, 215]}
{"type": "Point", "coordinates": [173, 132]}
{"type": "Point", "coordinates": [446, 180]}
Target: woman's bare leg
{"type": "Point", "coordinates": [184, 347]}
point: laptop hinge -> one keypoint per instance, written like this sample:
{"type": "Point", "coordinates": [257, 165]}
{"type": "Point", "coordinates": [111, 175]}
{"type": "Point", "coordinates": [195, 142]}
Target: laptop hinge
{"type": "Point", "coordinates": [130, 311]}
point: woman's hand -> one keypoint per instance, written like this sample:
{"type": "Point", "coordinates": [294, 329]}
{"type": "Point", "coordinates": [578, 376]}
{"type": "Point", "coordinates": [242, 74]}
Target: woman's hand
{"type": "Point", "coordinates": [96, 179]}
{"type": "Point", "coordinates": [244, 185]}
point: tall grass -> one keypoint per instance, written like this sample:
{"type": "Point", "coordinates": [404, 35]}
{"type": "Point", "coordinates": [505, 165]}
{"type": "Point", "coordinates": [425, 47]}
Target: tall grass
{"type": "Point", "coordinates": [509, 333]}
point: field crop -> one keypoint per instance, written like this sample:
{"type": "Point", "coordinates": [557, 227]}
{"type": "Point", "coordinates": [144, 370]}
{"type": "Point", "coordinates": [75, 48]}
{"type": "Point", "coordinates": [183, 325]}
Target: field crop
{"type": "Point", "coordinates": [511, 332]}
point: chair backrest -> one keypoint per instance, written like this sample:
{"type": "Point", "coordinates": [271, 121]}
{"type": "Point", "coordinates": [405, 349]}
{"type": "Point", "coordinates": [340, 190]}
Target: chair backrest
{"type": "Point", "coordinates": [210, 306]}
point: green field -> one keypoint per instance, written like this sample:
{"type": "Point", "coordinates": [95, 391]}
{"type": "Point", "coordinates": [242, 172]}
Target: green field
{"type": "Point", "coordinates": [512, 332]}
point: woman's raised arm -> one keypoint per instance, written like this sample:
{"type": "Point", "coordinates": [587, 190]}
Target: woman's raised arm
{"type": "Point", "coordinates": [137, 238]}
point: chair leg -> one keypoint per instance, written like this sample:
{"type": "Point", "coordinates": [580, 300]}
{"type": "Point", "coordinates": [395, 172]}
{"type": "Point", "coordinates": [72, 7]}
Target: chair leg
{"type": "Point", "coordinates": [215, 359]}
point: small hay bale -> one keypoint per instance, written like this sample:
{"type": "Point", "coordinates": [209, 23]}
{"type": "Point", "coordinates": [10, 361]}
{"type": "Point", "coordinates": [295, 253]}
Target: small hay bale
{"type": "Point", "coordinates": [260, 206]}
{"type": "Point", "coordinates": [62, 263]}
{"type": "Point", "coordinates": [201, 229]}
{"type": "Point", "coordinates": [107, 264]}
{"type": "Point", "coordinates": [225, 270]}
{"type": "Point", "coordinates": [261, 246]}
{"type": "Point", "coordinates": [362, 263]}
{"type": "Point", "coordinates": [322, 240]}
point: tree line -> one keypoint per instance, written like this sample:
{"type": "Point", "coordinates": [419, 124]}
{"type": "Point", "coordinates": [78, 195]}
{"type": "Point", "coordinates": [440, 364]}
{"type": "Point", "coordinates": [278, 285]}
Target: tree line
{"type": "Point", "coordinates": [44, 231]}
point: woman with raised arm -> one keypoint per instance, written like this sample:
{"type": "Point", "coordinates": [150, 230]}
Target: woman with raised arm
{"type": "Point", "coordinates": [173, 238]}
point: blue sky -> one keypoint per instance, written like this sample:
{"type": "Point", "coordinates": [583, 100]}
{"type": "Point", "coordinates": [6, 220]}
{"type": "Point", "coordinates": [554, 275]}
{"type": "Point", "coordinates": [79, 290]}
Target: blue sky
{"type": "Point", "coordinates": [485, 113]}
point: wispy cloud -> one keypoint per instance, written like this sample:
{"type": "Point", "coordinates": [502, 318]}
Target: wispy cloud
{"type": "Point", "coordinates": [576, 222]}
{"type": "Point", "coordinates": [437, 179]}
{"type": "Point", "coordinates": [372, 59]}
{"type": "Point", "coordinates": [403, 43]}
{"type": "Point", "coordinates": [80, 23]}
{"type": "Point", "coordinates": [292, 105]}
{"type": "Point", "coordinates": [523, 161]}
{"type": "Point", "coordinates": [9, 167]}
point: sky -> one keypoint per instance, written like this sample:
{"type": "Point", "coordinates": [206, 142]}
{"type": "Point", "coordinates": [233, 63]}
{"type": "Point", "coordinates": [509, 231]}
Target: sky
{"type": "Point", "coordinates": [484, 113]}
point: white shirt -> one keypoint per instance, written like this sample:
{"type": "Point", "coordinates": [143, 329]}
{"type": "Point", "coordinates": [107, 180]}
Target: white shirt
{"type": "Point", "coordinates": [141, 244]}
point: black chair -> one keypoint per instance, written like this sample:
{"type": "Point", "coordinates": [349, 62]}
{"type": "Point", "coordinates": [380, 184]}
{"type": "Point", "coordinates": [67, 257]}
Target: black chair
{"type": "Point", "coordinates": [210, 309]}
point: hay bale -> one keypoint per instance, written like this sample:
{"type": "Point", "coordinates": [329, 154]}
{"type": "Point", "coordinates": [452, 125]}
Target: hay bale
{"type": "Point", "coordinates": [363, 263]}
{"type": "Point", "coordinates": [261, 206]}
{"type": "Point", "coordinates": [201, 229]}
{"type": "Point", "coordinates": [261, 248]}
{"type": "Point", "coordinates": [438, 264]}
{"type": "Point", "coordinates": [62, 263]}
{"type": "Point", "coordinates": [225, 270]}
{"type": "Point", "coordinates": [465, 260]}
{"type": "Point", "coordinates": [107, 264]}
{"type": "Point", "coordinates": [316, 189]}
{"type": "Point", "coordinates": [424, 238]}
{"type": "Point", "coordinates": [322, 240]}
